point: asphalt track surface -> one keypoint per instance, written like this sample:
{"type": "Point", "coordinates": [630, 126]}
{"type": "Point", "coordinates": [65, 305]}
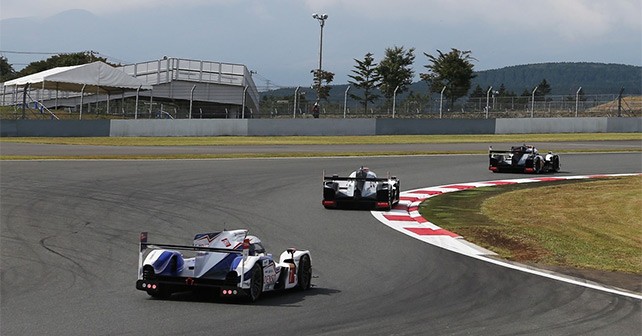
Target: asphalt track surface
{"type": "Point", "coordinates": [69, 232]}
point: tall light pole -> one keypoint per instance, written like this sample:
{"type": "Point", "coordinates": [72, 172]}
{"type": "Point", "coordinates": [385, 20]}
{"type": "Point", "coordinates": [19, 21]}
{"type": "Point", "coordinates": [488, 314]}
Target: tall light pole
{"type": "Point", "coordinates": [321, 18]}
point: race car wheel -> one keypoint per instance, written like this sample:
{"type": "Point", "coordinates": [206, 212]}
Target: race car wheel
{"type": "Point", "coordinates": [537, 165]}
{"type": "Point", "coordinates": [256, 283]}
{"type": "Point", "coordinates": [304, 274]}
{"type": "Point", "coordinates": [556, 163]}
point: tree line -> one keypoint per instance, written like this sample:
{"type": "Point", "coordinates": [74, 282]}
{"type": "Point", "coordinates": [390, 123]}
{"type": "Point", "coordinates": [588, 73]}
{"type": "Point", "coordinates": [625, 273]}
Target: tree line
{"type": "Point", "coordinates": [449, 72]}
{"type": "Point", "coordinates": [7, 72]}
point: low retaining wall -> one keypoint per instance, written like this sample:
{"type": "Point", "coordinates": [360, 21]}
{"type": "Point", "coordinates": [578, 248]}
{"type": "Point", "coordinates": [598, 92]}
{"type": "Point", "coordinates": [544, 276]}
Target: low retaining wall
{"type": "Point", "coordinates": [54, 128]}
{"type": "Point", "coordinates": [434, 126]}
{"type": "Point", "coordinates": [302, 127]}
{"type": "Point", "coordinates": [178, 127]}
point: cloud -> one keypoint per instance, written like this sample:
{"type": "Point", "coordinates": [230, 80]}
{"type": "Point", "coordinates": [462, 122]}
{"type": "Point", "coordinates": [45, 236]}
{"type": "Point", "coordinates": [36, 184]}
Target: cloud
{"type": "Point", "coordinates": [572, 19]}
{"type": "Point", "coordinates": [45, 8]}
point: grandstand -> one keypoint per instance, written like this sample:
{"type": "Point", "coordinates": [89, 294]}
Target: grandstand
{"type": "Point", "coordinates": [180, 89]}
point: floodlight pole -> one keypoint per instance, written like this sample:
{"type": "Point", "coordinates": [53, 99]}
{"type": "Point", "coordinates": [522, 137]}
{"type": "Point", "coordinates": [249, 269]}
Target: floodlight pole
{"type": "Point", "coordinates": [321, 18]}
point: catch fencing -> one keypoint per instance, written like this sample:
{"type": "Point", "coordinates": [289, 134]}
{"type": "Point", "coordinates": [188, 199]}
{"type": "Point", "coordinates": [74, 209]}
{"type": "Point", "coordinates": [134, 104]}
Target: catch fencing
{"type": "Point", "coordinates": [42, 104]}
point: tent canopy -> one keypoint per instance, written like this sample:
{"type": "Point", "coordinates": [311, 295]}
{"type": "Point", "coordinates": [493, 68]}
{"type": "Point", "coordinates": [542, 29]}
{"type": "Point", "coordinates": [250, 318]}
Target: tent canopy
{"type": "Point", "coordinates": [96, 77]}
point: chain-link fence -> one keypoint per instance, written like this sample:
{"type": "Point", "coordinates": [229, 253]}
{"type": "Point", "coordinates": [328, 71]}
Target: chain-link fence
{"type": "Point", "coordinates": [598, 105]}
{"type": "Point", "coordinates": [42, 105]}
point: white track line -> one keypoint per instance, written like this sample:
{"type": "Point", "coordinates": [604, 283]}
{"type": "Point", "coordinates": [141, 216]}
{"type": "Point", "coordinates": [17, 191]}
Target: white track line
{"type": "Point", "coordinates": [406, 219]}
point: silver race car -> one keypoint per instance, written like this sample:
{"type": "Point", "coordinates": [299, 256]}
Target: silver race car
{"type": "Point", "coordinates": [522, 159]}
{"type": "Point", "coordinates": [361, 188]}
{"type": "Point", "coordinates": [230, 263]}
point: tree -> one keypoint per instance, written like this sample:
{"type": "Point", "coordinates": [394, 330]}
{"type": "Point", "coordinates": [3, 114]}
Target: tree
{"type": "Point", "coordinates": [478, 92]}
{"type": "Point", "coordinates": [579, 95]}
{"type": "Point", "coordinates": [6, 70]}
{"type": "Point", "coordinates": [542, 90]}
{"type": "Point", "coordinates": [366, 78]}
{"type": "Point", "coordinates": [60, 60]}
{"type": "Point", "coordinates": [395, 70]}
{"type": "Point", "coordinates": [319, 77]}
{"type": "Point", "coordinates": [453, 70]}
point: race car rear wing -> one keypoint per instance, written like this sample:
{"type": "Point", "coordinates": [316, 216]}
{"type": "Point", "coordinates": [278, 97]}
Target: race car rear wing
{"type": "Point", "coordinates": [491, 152]}
{"type": "Point", "coordinates": [495, 151]}
{"type": "Point", "coordinates": [144, 245]}
{"type": "Point", "coordinates": [348, 178]}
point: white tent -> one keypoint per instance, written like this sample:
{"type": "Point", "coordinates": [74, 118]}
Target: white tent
{"type": "Point", "coordinates": [96, 77]}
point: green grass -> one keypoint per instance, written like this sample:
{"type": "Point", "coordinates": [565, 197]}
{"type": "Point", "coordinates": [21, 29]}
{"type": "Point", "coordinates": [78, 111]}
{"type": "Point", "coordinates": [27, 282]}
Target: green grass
{"type": "Point", "coordinates": [588, 224]}
{"type": "Point", "coordinates": [306, 140]}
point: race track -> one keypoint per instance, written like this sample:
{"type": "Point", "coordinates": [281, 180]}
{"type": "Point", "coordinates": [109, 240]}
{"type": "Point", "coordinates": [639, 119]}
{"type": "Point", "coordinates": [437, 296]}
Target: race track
{"type": "Point", "coordinates": [69, 232]}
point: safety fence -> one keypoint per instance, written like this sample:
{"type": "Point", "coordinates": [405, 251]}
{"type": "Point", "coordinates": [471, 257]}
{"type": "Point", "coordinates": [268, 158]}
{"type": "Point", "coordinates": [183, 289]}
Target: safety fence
{"type": "Point", "coordinates": [195, 102]}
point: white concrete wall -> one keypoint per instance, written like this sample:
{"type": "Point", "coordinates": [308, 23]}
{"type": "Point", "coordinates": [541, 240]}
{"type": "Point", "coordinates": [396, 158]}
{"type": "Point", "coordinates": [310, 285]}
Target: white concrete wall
{"type": "Point", "coordinates": [550, 125]}
{"type": "Point", "coordinates": [180, 127]}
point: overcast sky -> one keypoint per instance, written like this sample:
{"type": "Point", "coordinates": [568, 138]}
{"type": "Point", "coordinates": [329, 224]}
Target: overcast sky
{"type": "Point", "coordinates": [279, 39]}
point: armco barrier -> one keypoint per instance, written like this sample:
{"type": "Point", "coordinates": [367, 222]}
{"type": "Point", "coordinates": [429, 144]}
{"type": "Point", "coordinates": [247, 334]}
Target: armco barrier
{"type": "Point", "coordinates": [324, 127]}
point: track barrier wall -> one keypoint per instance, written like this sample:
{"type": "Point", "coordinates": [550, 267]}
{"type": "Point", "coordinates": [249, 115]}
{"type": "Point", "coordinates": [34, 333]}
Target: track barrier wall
{"type": "Point", "coordinates": [319, 127]}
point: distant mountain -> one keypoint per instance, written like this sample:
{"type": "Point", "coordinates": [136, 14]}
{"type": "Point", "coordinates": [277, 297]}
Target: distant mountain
{"type": "Point", "coordinates": [563, 78]}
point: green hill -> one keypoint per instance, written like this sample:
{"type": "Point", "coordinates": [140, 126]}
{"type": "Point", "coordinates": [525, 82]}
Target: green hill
{"type": "Point", "coordinates": [563, 78]}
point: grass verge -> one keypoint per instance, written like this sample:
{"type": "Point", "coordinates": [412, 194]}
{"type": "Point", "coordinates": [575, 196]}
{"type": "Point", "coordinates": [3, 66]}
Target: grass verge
{"type": "Point", "coordinates": [593, 225]}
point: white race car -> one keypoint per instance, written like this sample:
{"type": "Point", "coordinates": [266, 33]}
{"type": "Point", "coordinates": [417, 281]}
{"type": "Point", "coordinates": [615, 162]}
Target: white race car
{"type": "Point", "coordinates": [232, 263]}
{"type": "Point", "coordinates": [361, 188]}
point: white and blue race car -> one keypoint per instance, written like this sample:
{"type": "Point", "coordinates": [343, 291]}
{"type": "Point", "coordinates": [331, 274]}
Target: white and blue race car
{"type": "Point", "coordinates": [230, 263]}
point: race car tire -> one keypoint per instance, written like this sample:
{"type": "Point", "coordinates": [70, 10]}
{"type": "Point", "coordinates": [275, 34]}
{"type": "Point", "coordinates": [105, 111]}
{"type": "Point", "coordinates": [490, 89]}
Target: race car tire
{"type": "Point", "coordinates": [304, 273]}
{"type": "Point", "coordinates": [397, 193]}
{"type": "Point", "coordinates": [537, 165]}
{"type": "Point", "coordinates": [256, 283]}
{"type": "Point", "coordinates": [556, 163]}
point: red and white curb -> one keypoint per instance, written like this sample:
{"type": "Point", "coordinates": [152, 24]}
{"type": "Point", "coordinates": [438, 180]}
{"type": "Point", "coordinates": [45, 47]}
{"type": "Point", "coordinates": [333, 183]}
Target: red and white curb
{"type": "Point", "coordinates": [406, 219]}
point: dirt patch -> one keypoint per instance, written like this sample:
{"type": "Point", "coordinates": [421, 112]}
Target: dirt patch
{"type": "Point", "coordinates": [628, 281]}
